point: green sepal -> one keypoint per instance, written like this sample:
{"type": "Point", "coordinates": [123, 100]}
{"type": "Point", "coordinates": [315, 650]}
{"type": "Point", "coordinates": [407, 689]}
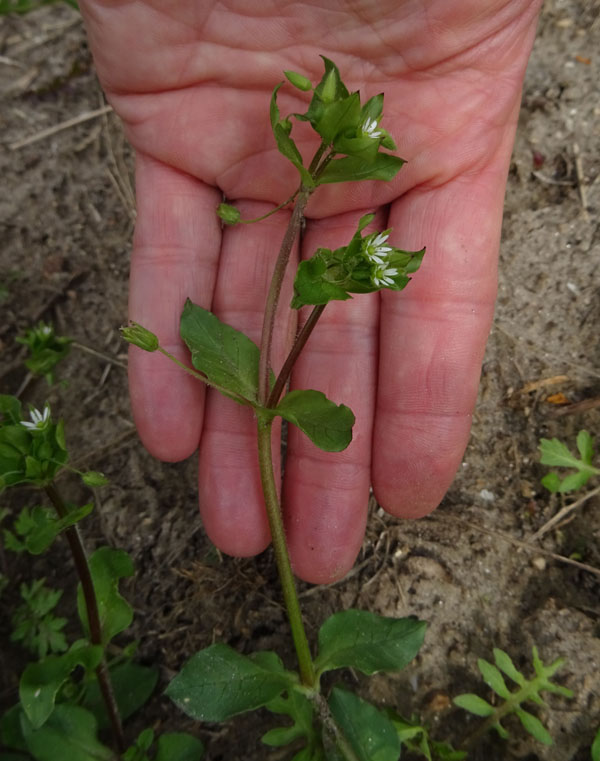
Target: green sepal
{"type": "Point", "coordinates": [218, 683]}
{"type": "Point", "coordinates": [107, 566]}
{"type": "Point", "coordinates": [326, 424]}
{"type": "Point", "coordinates": [368, 642]}
{"type": "Point", "coordinates": [94, 478]}
{"type": "Point", "coordinates": [40, 682]}
{"type": "Point", "coordinates": [140, 336]}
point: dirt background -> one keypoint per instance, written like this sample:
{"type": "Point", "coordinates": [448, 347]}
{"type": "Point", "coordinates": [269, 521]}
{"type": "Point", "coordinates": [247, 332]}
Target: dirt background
{"type": "Point", "coordinates": [66, 216]}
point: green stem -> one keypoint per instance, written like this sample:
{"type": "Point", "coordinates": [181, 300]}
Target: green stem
{"type": "Point", "coordinates": [91, 604]}
{"type": "Point", "coordinates": [275, 291]}
{"type": "Point", "coordinates": [284, 568]}
{"type": "Point", "coordinates": [299, 344]}
{"type": "Point", "coordinates": [269, 213]}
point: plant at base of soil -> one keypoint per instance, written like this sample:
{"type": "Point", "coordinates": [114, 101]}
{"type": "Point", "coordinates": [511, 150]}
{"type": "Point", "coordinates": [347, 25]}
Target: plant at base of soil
{"type": "Point", "coordinates": [73, 689]}
{"type": "Point", "coordinates": [555, 453]}
{"type": "Point", "coordinates": [528, 690]}
{"type": "Point", "coordinates": [25, 6]}
{"type": "Point", "coordinates": [46, 350]}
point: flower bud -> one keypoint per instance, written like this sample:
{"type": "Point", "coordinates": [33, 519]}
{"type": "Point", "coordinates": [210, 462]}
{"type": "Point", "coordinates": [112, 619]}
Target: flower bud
{"type": "Point", "coordinates": [139, 336]}
{"type": "Point", "coordinates": [229, 214]}
{"type": "Point", "coordinates": [302, 83]}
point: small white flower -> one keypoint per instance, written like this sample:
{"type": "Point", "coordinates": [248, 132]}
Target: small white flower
{"type": "Point", "coordinates": [383, 275]}
{"type": "Point", "coordinates": [46, 330]}
{"type": "Point", "coordinates": [39, 420]}
{"type": "Point", "coordinates": [369, 128]}
{"type": "Point", "coordinates": [375, 250]}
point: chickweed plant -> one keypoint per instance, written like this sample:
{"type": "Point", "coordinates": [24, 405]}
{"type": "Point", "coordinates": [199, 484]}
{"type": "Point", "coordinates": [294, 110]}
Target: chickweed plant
{"type": "Point", "coordinates": [74, 688]}
{"type": "Point", "coordinates": [218, 682]}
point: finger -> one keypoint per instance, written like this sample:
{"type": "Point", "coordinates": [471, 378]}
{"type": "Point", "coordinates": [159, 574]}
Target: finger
{"type": "Point", "coordinates": [175, 254]}
{"type": "Point", "coordinates": [231, 501]}
{"type": "Point", "coordinates": [326, 494]}
{"type": "Point", "coordinates": [432, 339]}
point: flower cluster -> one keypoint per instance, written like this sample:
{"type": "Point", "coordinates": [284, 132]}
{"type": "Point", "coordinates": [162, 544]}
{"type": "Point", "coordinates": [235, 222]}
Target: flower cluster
{"type": "Point", "coordinates": [378, 254]}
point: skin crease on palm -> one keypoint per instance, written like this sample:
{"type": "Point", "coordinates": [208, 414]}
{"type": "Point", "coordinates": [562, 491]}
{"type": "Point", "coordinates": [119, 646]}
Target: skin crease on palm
{"type": "Point", "coordinates": [192, 81]}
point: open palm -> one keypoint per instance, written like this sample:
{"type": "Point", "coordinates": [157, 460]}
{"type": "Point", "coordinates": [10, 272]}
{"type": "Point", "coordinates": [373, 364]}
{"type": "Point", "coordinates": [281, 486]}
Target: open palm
{"type": "Point", "coordinates": [192, 82]}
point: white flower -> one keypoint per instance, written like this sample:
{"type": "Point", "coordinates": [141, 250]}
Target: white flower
{"type": "Point", "coordinates": [374, 249]}
{"type": "Point", "coordinates": [46, 330]}
{"type": "Point", "coordinates": [383, 275]}
{"type": "Point", "coordinates": [39, 420]}
{"type": "Point", "coordinates": [369, 128]}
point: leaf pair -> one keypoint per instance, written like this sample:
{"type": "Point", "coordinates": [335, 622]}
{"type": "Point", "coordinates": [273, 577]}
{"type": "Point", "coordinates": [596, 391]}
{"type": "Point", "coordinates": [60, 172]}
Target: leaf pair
{"type": "Point", "coordinates": [229, 360]}
{"type": "Point", "coordinates": [218, 682]}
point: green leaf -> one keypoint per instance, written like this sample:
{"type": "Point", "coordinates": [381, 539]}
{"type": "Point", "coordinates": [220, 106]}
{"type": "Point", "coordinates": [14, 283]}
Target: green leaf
{"type": "Point", "coordinates": [504, 662]}
{"type": "Point", "coordinates": [554, 452]}
{"type": "Point", "coordinates": [70, 733]}
{"type": "Point", "coordinates": [326, 424]}
{"type": "Point", "coordinates": [368, 731]}
{"type": "Point", "coordinates": [132, 683]}
{"type": "Point", "coordinates": [552, 482]}
{"type": "Point", "coordinates": [285, 145]}
{"type": "Point", "coordinates": [368, 642]}
{"type": "Point", "coordinates": [474, 704]}
{"type": "Point", "coordinates": [310, 285]}
{"type": "Point", "coordinates": [300, 710]}
{"type": "Point", "coordinates": [10, 409]}
{"type": "Point", "coordinates": [596, 747]}
{"type": "Point", "coordinates": [534, 726]}
{"type": "Point", "coordinates": [45, 528]}
{"type": "Point", "coordinates": [218, 683]}
{"type": "Point", "coordinates": [107, 566]}
{"type": "Point", "coordinates": [493, 678]}
{"type": "Point", "coordinates": [41, 681]}
{"type": "Point", "coordinates": [94, 478]}
{"type": "Point", "coordinates": [585, 446]}
{"type": "Point", "coordinates": [11, 734]}
{"type": "Point", "coordinates": [226, 356]}
{"type": "Point", "coordinates": [382, 166]}
{"type": "Point", "coordinates": [178, 746]}
{"type": "Point", "coordinates": [338, 117]}
{"type": "Point", "coordinates": [574, 481]}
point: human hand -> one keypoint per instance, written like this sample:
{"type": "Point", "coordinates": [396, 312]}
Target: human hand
{"type": "Point", "coordinates": [192, 83]}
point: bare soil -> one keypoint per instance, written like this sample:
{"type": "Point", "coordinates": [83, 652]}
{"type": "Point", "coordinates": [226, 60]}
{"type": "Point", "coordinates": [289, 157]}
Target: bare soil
{"type": "Point", "coordinates": [66, 215]}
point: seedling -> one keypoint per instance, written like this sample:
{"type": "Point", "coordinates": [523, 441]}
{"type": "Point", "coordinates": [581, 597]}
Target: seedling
{"type": "Point", "coordinates": [555, 453]}
{"type": "Point", "coordinates": [46, 350]}
{"type": "Point", "coordinates": [512, 702]}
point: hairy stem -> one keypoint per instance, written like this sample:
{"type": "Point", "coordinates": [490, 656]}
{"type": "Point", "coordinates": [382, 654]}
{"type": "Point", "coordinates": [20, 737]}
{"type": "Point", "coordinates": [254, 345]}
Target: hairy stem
{"type": "Point", "coordinates": [284, 568]}
{"type": "Point", "coordinates": [275, 291]}
{"type": "Point", "coordinates": [299, 343]}
{"type": "Point", "coordinates": [91, 604]}
{"type": "Point", "coordinates": [270, 213]}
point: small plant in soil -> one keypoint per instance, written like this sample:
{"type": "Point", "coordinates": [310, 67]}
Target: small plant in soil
{"type": "Point", "coordinates": [74, 688]}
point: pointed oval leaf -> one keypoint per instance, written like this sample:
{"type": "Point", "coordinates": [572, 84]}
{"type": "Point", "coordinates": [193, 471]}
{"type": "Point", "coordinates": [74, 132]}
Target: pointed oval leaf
{"type": "Point", "coordinates": [493, 678]}
{"type": "Point", "coordinates": [218, 683]}
{"type": "Point", "coordinates": [574, 481]}
{"type": "Point", "coordinates": [585, 446]}
{"type": "Point", "coordinates": [368, 642]}
{"type": "Point", "coordinates": [225, 355]}
{"type": "Point", "coordinates": [534, 726]}
{"type": "Point", "coordinates": [369, 732]}
{"type": "Point", "coordinates": [107, 566]}
{"type": "Point", "coordinates": [326, 424]}
{"type": "Point", "coordinates": [474, 704]}
{"type": "Point", "coordinates": [353, 168]}
{"type": "Point", "coordinates": [132, 684]}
